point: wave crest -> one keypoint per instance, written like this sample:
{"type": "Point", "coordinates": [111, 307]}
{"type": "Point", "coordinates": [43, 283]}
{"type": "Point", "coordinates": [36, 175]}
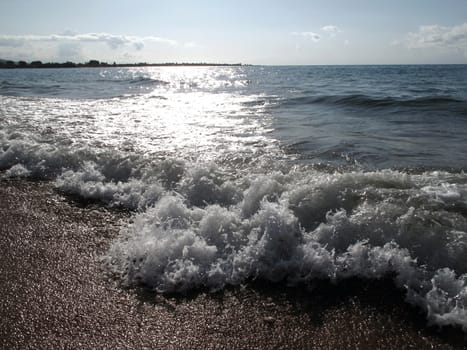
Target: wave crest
{"type": "Point", "coordinates": [365, 101]}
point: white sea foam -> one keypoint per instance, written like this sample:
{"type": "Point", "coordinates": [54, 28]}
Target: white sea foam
{"type": "Point", "coordinates": [17, 170]}
{"type": "Point", "coordinates": [39, 160]}
{"type": "Point", "coordinates": [90, 183]}
{"type": "Point", "coordinates": [206, 225]}
{"type": "Point", "coordinates": [304, 225]}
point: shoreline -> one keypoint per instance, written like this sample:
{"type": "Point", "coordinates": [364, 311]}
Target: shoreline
{"type": "Point", "coordinates": [55, 295]}
{"type": "Point", "coordinates": [4, 64]}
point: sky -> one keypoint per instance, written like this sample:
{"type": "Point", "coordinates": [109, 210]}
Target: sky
{"type": "Point", "coordinates": [256, 32]}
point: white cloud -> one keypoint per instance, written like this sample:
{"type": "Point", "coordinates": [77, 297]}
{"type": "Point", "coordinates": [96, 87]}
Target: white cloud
{"type": "Point", "coordinates": [309, 35]}
{"type": "Point", "coordinates": [438, 36]}
{"type": "Point", "coordinates": [112, 40]}
{"type": "Point", "coordinates": [331, 29]}
{"type": "Point", "coordinates": [84, 46]}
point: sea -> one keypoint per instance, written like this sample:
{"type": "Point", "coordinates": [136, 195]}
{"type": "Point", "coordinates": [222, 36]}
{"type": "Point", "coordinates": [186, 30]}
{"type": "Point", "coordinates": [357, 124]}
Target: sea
{"type": "Point", "coordinates": [284, 174]}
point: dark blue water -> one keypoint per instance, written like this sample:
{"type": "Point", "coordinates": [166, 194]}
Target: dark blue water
{"type": "Point", "coordinates": [375, 116]}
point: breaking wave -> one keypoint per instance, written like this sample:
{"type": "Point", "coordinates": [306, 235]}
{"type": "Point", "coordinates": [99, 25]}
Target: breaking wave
{"type": "Point", "coordinates": [204, 225]}
{"type": "Point", "coordinates": [306, 225]}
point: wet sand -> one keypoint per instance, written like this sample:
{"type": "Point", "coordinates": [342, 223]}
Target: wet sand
{"type": "Point", "coordinates": [55, 295]}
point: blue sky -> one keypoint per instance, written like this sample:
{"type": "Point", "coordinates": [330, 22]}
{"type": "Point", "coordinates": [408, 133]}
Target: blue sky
{"type": "Point", "coordinates": [258, 32]}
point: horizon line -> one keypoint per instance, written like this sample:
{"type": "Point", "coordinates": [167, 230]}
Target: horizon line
{"type": "Point", "coordinates": [8, 63]}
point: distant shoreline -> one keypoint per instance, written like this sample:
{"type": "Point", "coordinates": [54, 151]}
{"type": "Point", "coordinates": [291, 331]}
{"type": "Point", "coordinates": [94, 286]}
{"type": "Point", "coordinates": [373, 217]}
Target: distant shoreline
{"type": "Point", "coordinates": [94, 63]}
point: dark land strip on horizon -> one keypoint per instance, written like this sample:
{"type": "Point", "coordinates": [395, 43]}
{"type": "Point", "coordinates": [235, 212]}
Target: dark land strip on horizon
{"type": "Point", "coordinates": [96, 63]}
